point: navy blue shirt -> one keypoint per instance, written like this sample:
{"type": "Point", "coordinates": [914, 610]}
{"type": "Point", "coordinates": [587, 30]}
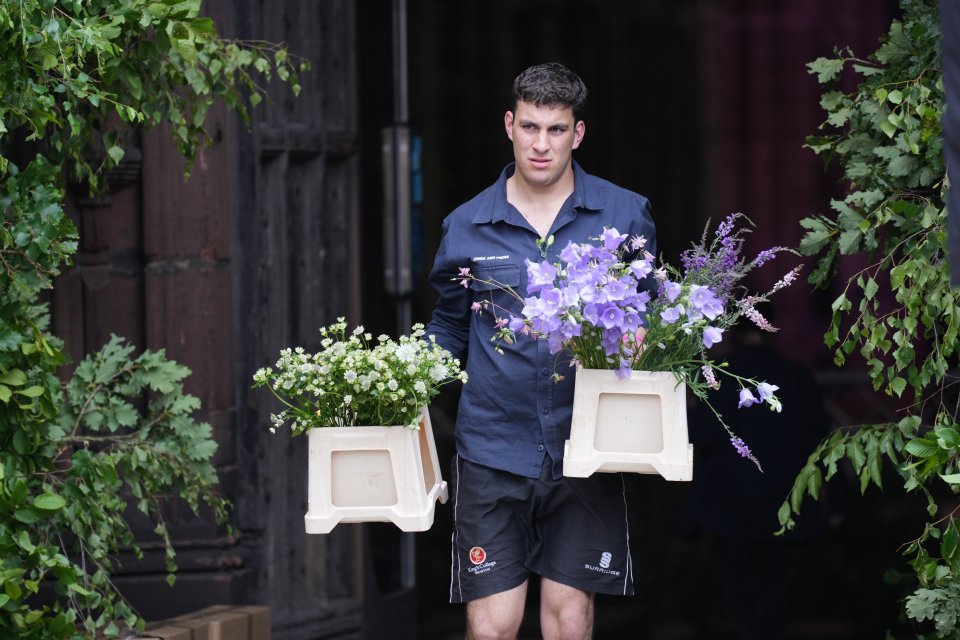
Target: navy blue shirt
{"type": "Point", "coordinates": [511, 412]}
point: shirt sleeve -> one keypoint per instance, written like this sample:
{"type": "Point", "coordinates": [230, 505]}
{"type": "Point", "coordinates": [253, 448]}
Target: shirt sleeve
{"type": "Point", "coordinates": [450, 324]}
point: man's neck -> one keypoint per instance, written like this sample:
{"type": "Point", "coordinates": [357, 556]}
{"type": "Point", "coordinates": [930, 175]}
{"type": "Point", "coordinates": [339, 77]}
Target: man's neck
{"type": "Point", "coordinates": [539, 204]}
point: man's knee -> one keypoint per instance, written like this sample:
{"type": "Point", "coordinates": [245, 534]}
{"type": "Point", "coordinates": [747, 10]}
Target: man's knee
{"type": "Point", "coordinates": [566, 613]}
{"type": "Point", "coordinates": [496, 617]}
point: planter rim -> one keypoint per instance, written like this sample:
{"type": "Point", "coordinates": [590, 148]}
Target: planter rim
{"type": "Point", "coordinates": [371, 426]}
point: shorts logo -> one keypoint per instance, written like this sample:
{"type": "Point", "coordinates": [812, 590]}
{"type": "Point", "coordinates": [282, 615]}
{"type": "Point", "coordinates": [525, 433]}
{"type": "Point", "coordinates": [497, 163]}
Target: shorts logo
{"type": "Point", "coordinates": [604, 565]}
{"type": "Point", "coordinates": [477, 555]}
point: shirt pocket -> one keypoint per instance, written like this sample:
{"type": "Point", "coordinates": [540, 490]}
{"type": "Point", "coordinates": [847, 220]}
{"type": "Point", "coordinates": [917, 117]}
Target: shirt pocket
{"type": "Point", "coordinates": [495, 277]}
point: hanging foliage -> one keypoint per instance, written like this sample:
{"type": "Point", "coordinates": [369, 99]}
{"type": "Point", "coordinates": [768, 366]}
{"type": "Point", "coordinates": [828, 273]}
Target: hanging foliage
{"type": "Point", "coordinates": [899, 314]}
{"type": "Point", "coordinates": [75, 78]}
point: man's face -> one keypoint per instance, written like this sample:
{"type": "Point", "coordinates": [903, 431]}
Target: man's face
{"type": "Point", "coordinates": [543, 141]}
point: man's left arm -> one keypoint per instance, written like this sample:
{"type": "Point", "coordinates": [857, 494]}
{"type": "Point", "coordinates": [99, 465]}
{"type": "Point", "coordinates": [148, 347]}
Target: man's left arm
{"type": "Point", "coordinates": [450, 323]}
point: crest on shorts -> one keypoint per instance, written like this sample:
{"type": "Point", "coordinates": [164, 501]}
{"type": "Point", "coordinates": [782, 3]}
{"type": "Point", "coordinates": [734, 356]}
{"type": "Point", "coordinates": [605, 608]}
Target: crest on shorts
{"type": "Point", "coordinates": [477, 555]}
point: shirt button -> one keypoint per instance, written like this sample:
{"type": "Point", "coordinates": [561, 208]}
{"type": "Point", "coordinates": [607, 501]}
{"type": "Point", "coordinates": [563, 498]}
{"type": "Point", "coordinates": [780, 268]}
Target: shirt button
{"type": "Point", "coordinates": [544, 411]}
{"type": "Point", "coordinates": [545, 372]}
{"type": "Point", "coordinates": [539, 447]}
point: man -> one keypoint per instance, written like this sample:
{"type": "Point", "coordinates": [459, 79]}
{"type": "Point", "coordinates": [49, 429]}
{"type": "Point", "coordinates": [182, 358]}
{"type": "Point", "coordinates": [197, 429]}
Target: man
{"type": "Point", "coordinates": [514, 511]}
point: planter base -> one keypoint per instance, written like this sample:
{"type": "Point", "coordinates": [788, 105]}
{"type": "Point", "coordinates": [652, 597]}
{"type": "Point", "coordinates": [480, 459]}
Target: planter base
{"type": "Point", "coordinates": [373, 474]}
{"type": "Point", "coordinates": [636, 424]}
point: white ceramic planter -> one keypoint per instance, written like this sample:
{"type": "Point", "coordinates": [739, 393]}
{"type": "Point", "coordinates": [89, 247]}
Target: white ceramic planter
{"type": "Point", "coordinates": [636, 424]}
{"type": "Point", "coordinates": [373, 474]}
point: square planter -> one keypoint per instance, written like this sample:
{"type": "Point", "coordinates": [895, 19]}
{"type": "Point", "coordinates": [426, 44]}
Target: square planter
{"type": "Point", "coordinates": [636, 424]}
{"type": "Point", "coordinates": [373, 474]}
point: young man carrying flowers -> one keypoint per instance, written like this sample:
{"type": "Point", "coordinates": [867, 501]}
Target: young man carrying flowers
{"type": "Point", "coordinates": [515, 514]}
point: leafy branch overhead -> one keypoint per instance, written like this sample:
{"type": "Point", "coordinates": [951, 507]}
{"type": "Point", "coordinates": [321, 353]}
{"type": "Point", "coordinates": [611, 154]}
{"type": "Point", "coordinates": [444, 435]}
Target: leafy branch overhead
{"type": "Point", "coordinates": [76, 79]}
{"type": "Point", "coordinates": [73, 73]}
{"type": "Point", "coordinates": [899, 313]}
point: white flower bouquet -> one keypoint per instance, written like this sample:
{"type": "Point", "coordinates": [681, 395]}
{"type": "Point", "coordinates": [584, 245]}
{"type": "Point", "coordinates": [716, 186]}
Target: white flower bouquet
{"type": "Point", "coordinates": [356, 381]}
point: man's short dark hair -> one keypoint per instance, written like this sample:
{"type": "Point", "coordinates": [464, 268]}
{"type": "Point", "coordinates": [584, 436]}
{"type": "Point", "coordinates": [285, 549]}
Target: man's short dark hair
{"type": "Point", "coordinates": [550, 85]}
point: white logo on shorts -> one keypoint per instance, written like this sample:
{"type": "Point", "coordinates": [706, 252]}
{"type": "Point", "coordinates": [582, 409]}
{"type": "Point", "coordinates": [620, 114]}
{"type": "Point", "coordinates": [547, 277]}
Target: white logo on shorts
{"type": "Point", "coordinates": [605, 559]}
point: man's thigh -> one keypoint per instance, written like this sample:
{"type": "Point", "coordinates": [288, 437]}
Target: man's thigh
{"type": "Point", "coordinates": [584, 542]}
{"type": "Point", "coordinates": [491, 530]}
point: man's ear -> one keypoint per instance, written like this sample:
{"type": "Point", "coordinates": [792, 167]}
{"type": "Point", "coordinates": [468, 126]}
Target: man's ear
{"type": "Point", "coordinates": [578, 130]}
{"type": "Point", "coordinates": [508, 124]}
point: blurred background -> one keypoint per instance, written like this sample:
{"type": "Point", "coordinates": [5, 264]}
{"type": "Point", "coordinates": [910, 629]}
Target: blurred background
{"type": "Point", "coordinates": [330, 204]}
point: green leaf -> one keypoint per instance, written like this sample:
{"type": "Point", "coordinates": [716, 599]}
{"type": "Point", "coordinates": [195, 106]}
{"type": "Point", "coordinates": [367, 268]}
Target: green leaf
{"type": "Point", "coordinates": [116, 154]}
{"type": "Point", "coordinates": [856, 455]}
{"type": "Point", "coordinates": [826, 69]}
{"type": "Point", "coordinates": [23, 541]}
{"type": "Point", "coordinates": [840, 303]}
{"type": "Point", "coordinates": [947, 437]}
{"type": "Point", "coordinates": [909, 424]}
{"type": "Point", "coordinates": [26, 516]}
{"type": "Point", "coordinates": [850, 241]}
{"type": "Point", "coordinates": [49, 502]}
{"type": "Point", "coordinates": [13, 378]}
{"type": "Point", "coordinates": [922, 448]}
{"type": "Point", "coordinates": [898, 385]}
{"type": "Point", "coordinates": [800, 486]}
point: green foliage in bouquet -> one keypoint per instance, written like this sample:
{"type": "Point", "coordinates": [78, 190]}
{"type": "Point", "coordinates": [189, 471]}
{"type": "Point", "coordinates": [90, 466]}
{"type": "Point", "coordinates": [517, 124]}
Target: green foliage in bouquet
{"type": "Point", "coordinates": [356, 381]}
{"type": "Point", "coordinates": [899, 313]}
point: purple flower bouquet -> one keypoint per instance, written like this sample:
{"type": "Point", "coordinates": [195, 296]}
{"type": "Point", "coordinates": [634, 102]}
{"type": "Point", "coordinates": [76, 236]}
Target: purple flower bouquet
{"type": "Point", "coordinates": [596, 304]}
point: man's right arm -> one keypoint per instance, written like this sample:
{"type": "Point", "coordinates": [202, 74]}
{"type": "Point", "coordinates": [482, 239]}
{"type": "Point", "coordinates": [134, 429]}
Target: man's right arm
{"type": "Point", "coordinates": [450, 324]}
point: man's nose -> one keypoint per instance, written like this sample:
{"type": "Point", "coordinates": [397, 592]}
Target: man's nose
{"type": "Point", "coordinates": [541, 142]}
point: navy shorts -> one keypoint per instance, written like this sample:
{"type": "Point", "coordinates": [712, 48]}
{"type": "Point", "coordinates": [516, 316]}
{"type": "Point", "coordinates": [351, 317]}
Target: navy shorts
{"type": "Point", "coordinates": [505, 527]}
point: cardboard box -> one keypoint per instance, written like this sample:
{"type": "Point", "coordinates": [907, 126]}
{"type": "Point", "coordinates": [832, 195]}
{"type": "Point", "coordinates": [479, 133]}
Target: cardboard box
{"type": "Point", "coordinates": [216, 622]}
{"type": "Point", "coordinates": [229, 625]}
{"type": "Point", "coordinates": [259, 621]}
{"type": "Point", "coordinates": [197, 628]}
{"type": "Point", "coordinates": [168, 632]}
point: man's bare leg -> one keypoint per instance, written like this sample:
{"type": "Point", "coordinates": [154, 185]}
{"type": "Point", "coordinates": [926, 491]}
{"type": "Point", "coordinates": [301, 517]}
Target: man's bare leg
{"type": "Point", "coordinates": [566, 613]}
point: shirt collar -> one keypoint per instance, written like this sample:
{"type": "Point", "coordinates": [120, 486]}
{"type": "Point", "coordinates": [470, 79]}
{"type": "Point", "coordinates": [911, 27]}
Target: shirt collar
{"type": "Point", "coordinates": [495, 207]}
